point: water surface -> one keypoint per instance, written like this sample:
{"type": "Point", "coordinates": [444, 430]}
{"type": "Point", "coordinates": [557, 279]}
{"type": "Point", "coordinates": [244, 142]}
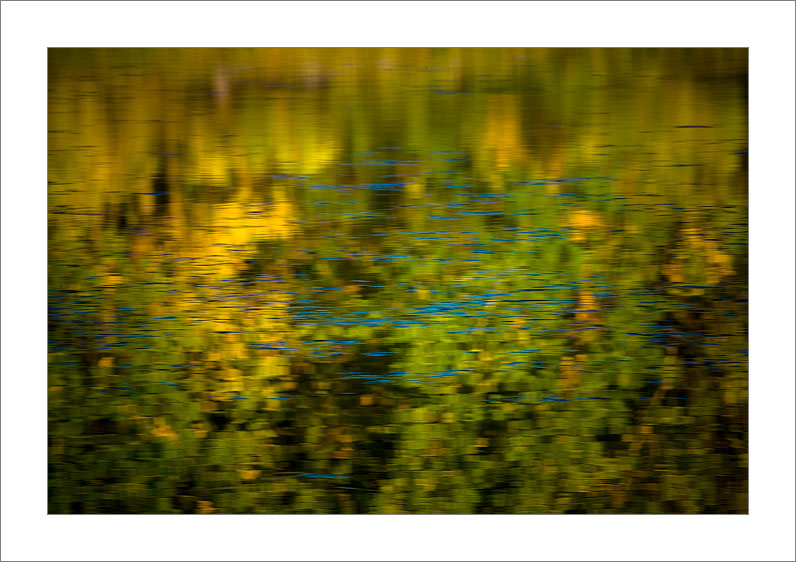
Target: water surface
{"type": "Point", "coordinates": [398, 281]}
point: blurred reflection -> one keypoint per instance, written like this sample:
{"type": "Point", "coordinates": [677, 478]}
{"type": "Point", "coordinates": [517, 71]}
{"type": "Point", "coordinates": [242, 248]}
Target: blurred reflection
{"type": "Point", "coordinates": [397, 281]}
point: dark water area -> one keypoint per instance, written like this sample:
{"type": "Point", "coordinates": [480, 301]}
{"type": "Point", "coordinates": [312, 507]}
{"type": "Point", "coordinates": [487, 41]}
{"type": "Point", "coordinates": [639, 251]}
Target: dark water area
{"type": "Point", "coordinates": [460, 281]}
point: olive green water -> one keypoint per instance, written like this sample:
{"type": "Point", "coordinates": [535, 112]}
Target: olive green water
{"type": "Point", "coordinates": [397, 281]}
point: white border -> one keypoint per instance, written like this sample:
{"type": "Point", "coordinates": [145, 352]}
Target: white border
{"type": "Point", "coordinates": [29, 27]}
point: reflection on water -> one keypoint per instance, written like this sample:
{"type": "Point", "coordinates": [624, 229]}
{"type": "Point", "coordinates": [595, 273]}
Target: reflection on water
{"type": "Point", "coordinates": [397, 281]}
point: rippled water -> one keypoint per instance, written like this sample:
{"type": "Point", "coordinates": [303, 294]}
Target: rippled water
{"type": "Point", "coordinates": [398, 281]}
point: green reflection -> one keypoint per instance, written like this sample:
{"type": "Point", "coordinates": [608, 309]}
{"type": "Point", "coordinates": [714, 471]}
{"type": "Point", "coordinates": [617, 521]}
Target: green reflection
{"type": "Point", "coordinates": [398, 281]}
